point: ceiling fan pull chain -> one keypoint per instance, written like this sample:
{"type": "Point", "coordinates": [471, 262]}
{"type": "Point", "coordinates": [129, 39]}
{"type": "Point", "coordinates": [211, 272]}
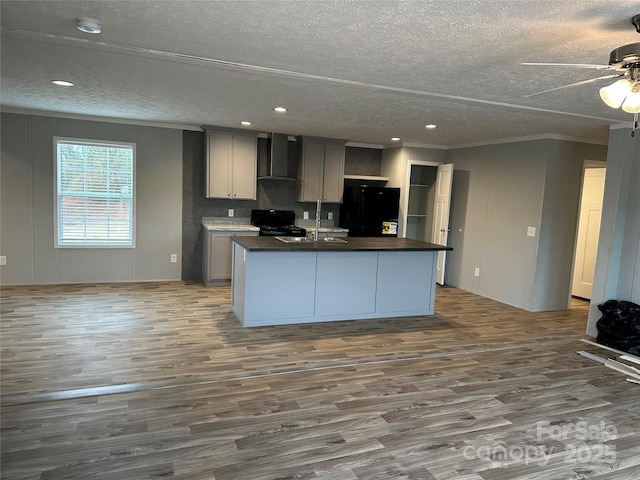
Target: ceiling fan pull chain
{"type": "Point", "coordinates": [635, 124]}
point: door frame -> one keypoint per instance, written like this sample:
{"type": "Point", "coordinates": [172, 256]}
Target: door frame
{"type": "Point", "coordinates": [404, 205]}
{"type": "Point", "coordinates": [585, 165]}
{"type": "Point", "coordinates": [444, 226]}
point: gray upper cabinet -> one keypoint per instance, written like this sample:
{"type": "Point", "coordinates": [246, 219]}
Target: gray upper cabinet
{"type": "Point", "coordinates": [321, 170]}
{"type": "Point", "coordinates": [231, 165]}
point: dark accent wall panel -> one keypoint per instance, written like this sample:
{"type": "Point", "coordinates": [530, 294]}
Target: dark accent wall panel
{"type": "Point", "coordinates": [362, 161]}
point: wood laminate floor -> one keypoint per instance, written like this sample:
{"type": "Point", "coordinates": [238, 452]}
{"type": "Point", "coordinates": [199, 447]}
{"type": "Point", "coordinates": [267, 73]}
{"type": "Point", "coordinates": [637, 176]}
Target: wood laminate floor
{"type": "Point", "coordinates": [159, 380]}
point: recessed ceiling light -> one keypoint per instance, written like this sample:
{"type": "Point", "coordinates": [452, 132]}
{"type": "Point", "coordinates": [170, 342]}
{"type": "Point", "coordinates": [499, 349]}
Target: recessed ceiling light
{"type": "Point", "coordinates": [280, 109]}
{"type": "Point", "coordinates": [431, 126]}
{"type": "Point", "coordinates": [88, 25]}
{"type": "Point", "coordinates": [245, 123]}
{"type": "Point", "coordinates": [395, 139]}
{"type": "Point", "coordinates": [62, 83]}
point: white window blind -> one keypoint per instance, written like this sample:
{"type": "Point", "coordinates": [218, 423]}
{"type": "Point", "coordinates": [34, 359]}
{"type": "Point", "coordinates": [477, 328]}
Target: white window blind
{"type": "Point", "coordinates": [94, 193]}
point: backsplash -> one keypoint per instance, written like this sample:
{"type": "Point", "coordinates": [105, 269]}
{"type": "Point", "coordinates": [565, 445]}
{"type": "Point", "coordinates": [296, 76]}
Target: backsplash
{"type": "Point", "coordinates": [301, 222]}
{"type": "Point", "coordinates": [227, 220]}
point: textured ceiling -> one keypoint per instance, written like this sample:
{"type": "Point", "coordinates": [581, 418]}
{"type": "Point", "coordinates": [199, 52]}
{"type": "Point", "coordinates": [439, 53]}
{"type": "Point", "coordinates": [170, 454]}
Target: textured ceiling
{"type": "Point", "coordinates": [360, 70]}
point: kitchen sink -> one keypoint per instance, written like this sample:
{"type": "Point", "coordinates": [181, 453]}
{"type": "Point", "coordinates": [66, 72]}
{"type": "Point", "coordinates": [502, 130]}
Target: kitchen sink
{"type": "Point", "coordinates": [308, 240]}
{"type": "Point", "coordinates": [293, 239]}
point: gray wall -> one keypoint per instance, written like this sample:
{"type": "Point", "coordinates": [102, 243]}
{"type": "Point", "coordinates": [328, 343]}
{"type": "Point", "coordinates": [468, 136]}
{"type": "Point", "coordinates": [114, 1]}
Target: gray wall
{"type": "Point", "coordinates": [500, 190]}
{"type": "Point", "coordinates": [170, 202]}
{"type": "Point", "coordinates": [617, 274]}
{"type": "Point", "coordinates": [558, 226]}
{"type": "Point", "coordinates": [27, 192]}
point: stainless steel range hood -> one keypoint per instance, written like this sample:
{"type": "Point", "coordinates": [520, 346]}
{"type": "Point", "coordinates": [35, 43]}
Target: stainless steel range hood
{"type": "Point", "coordinates": [277, 161]}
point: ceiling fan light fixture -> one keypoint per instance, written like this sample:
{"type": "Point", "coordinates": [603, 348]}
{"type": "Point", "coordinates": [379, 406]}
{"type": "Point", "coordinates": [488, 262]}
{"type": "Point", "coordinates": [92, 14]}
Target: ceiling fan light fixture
{"type": "Point", "coordinates": [635, 21]}
{"type": "Point", "coordinates": [615, 94]}
{"type": "Point", "coordinates": [632, 103]}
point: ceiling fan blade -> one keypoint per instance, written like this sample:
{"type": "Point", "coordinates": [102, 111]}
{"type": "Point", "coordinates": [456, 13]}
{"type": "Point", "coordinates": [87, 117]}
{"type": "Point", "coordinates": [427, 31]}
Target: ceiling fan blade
{"type": "Point", "coordinates": [571, 65]}
{"type": "Point", "coordinates": [583, 82]}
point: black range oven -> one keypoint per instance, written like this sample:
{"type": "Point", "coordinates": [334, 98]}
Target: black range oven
{"type": "Point", "coordinates": [277, 222]}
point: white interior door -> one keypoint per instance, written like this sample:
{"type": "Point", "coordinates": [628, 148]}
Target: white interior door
{"type": "Point", "coordinates": [588, 232]}
{"type": "Point", "coordinates": [440, 232]}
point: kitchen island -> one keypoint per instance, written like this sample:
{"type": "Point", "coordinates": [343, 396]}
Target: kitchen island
{"type": "Point", "coordinates": [278, 282]}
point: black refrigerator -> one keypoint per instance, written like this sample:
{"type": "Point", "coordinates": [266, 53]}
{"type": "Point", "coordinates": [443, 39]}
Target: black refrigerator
{"type": "Point", "coordinates": [369, 211]}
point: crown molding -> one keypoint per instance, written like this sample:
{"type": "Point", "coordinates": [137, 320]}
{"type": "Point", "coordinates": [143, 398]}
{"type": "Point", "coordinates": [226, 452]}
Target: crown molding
{"type": "Point", "coordinates": [621, 126]}
{"type": "Point", "coordinates": [528, 138]}
{"type": "Point", "coordinates": [364, 145]}
{"type": "Point", "coordinates": [95, 118]}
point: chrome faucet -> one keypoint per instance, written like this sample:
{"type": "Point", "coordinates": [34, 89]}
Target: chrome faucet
{"type": "Point", "coordinates": [318, 211]}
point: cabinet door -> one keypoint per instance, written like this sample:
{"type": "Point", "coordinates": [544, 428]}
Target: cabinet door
{"type": "Point", "coordinates": [311, 172]}
{"type": "Point", "coordinates": [245, 167]}
{"type": "Point", "coordinates": [355, 291]}
{"type": "Point", "coordinates": [220, 256]}
{"type": "Point", "coordinates": [333, 184]}
{"type": "Point", "coordinates": [219, 159]}
{"type": "Point", "coordinates": [279, 286]}
{"type": "Point", "coordinates": [415, 293]}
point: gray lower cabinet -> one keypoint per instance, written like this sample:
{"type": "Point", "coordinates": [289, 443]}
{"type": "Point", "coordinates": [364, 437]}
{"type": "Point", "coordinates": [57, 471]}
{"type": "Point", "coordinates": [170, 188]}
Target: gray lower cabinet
{"type": "Point", "coordinates": [296, 286]}
{"type": "Point", "coordinates": [217, 255]}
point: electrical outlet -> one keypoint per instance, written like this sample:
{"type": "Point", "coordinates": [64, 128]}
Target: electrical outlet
{"type": "Point", "coordinates": [476, 272]}
{"type": "Point", "coordinates": [305, 215]}
{"type": "Point", "coordinates": [330, 216]}
{"type": "Point", "coordinates": [174, 257]}
{"type": "Point", "coordinates": [230, 212]}
{"type": "Point", "coordinates": [3, 260]}
{"type": "Point", "coordinates": [531, 231]}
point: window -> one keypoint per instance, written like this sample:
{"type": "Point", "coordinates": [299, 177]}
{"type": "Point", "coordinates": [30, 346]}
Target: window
{"type": "Point", "coordinates": [94, 195]}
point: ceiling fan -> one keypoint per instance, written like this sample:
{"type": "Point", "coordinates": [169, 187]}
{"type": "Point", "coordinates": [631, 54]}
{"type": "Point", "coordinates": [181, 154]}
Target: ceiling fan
{"type": "Point", "coordinates": [624, 61]}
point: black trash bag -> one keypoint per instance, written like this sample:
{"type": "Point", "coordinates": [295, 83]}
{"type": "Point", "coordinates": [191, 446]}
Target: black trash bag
{"type": "Point", "coordinates": [619, 326]}
{"type": "Point", "coordinates": [618, 309]}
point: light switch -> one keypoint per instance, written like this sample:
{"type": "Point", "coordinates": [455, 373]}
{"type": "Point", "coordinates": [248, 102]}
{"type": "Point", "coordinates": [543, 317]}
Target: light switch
{"type": "Point", "coordinates": [230, 212]}
{"type": "Point", "coordinates": [531, 231]}
{"type": "Point", "coordinates": [330, 216]}
{"type": "Point", "coordinates": [305, 215]}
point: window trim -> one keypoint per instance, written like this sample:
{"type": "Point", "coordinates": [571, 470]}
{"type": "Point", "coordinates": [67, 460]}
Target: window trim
{"type": "Point", "coordinates": [55, 192]}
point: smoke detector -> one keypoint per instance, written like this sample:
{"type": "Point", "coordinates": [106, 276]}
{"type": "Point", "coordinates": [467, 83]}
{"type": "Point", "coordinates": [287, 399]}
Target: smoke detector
{"type": "Point", "coordinates": [88, 25]}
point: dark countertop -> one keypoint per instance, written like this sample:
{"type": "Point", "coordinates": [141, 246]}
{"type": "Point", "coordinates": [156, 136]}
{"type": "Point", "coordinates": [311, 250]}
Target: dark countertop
{"type": "Point", "coordinates": [354, 244]}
